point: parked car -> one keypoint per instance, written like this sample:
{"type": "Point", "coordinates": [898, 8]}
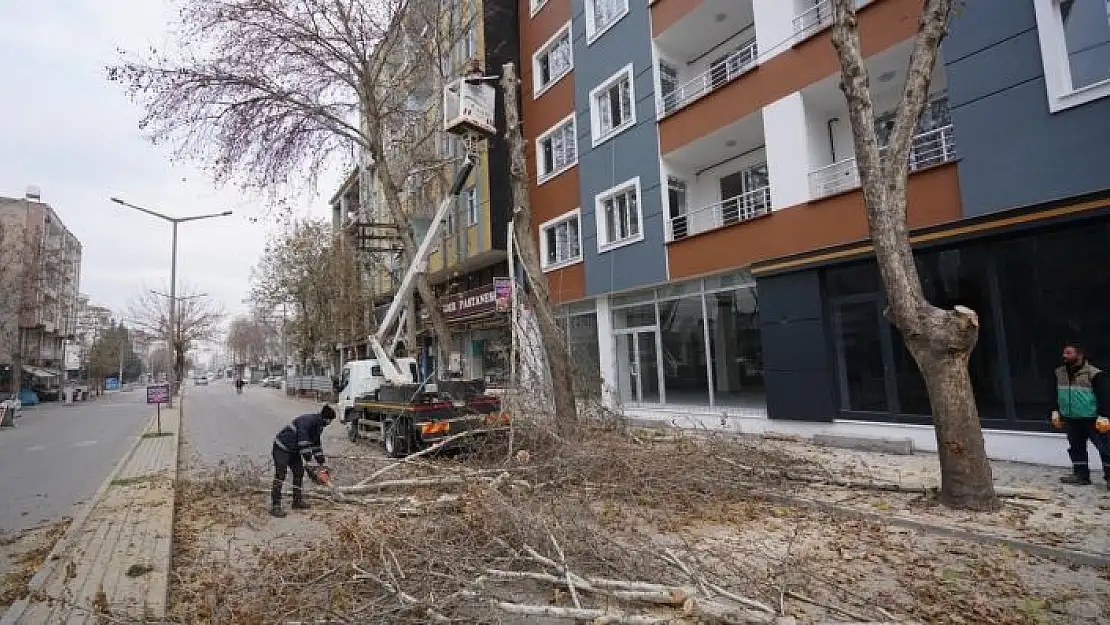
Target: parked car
{"type": "Point", "coordinates": [271, 381]}
{"type": "Point", "coordinates": [201, 381]}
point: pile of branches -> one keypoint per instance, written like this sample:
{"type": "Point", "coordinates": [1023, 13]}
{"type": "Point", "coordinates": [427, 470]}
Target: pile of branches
{"type": "Point", "coordinates": [522, 526]}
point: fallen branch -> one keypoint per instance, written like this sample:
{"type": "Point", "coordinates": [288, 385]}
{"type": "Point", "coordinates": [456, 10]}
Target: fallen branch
{"type": "Point", "coordinates": [424, 452]}
{"type": "Point", "coordinates": [578, 614]}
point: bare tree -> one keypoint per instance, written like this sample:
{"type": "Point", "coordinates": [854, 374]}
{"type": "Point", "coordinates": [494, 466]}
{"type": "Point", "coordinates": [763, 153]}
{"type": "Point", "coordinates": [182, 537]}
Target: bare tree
{"type": "Point", "coordinates": [940, 340]}
{"type": "Point", "coordinates": [248, 338]}
{"type": "Point", "coordinates": [198, 319]}
{"type": "Point", "coordinates": [270, 91]}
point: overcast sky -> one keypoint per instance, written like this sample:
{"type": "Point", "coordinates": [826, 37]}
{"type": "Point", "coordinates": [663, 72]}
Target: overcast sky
{"type": "Point", "coordinates": [66, 129]}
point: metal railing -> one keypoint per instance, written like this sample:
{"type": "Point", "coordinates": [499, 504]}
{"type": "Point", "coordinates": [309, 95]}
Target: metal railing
{"type": "Point", "coordinates": [817, 16]}
{"type": "Point", "coordinates": [717, 76]}
{"type": "Point", "coordinates": [727, 212]}
{"type": "Point", "coordinates": [930, 148]}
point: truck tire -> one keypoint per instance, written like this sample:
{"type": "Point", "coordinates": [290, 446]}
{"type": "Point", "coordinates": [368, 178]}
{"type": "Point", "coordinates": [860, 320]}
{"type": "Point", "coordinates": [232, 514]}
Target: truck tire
{"type": "Point", "coordinates": [395, 440]}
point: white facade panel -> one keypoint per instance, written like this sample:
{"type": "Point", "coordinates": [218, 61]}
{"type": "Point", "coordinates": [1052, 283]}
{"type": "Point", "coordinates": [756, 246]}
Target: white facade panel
{"type": "Point", "coordinates": [774, 26]}
{"type": "Point", "coordinates": [787, 143]}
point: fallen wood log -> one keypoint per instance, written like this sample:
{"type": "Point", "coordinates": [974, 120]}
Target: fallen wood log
{"type": "Point", "coordinates": [597, 616]}
{"type": "Point", "coordinates": [424, 452]}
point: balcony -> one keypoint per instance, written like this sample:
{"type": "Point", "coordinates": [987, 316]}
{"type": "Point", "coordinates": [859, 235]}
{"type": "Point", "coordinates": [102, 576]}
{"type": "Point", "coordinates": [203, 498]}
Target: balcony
{"type": "Point", "coordinates": [813, 15]}
{"type": "Point", "coordinates": [930, 148]}
{"type": "Point", "coordinates": [709, 47]}
{"type": "Point", "coordinates": [832, 166]}
{"type": "Point", "coordinates": [727, 70]}
{"type": "Point", "coordinates": [718, 181]}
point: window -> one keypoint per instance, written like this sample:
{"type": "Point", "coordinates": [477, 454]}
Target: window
{"type": "Point", "coordinates": [470, 200]}
{"type": "Point", "coordinates": [601, 15]}
{"type": "Point", "coordinates": [611, 105]}
{"type": "Point", "coordinates": [668, 86]}
{"type": "Point", "coordinates": [1075, 50]}
{"type": "Point", "coordinates": [677, 193]}
{"type": "Point", "coordinates": [561, 241]}
{"type": "Point", "coordinates": [558, 150]}
{"type": "Point", "coordinates": [618, 215]}
{"type": "Point", "coordinates": [552, 61]}
{"type": "Point", "coordinates": [536, 5]}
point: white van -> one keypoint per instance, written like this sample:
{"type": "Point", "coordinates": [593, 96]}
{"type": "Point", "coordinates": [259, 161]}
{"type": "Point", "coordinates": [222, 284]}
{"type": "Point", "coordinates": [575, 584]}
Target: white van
{"type": "Point", "coordinates": [361, 379]}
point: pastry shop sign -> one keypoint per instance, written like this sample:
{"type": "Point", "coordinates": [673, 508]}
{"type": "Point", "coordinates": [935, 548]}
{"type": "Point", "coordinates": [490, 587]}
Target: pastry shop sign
{"type": "Point", "coordinates": [473, 302]}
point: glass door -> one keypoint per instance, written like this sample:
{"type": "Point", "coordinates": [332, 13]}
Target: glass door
{"type": "Point", "coordinates": [638, 366]}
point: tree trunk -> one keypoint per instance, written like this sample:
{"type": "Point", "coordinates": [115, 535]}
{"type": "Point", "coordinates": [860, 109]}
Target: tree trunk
{"type": "Point", "coordinates": [539, 297]}
{"type": "Point", "coordinates": [940, 341]}
{"type": "Point", "coordinates": [966, 480]}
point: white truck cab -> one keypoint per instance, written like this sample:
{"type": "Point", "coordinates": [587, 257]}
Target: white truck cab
{"type": "Point", "coordinates": [363, 378]}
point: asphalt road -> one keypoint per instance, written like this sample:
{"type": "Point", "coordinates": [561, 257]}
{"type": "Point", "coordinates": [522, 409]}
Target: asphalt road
{"type": "Point", "coordinates": [58, 455]}
{"type": "Point", "coordinates": [222, 425]}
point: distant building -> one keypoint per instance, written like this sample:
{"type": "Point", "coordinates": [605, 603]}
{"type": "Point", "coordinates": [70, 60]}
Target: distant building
{"type": "Point", "coordinates": [92, 321]}
{"type": "Point", "coordinates": [41, 260]}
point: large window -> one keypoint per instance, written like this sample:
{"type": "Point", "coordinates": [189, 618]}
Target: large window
{"type": "Point", "coordinates": [601, 15]}
{"type": "Point", "coordinates": [1031, 293]}
{"type": "Point", "coordinates": [618, 215]}
{"type": "Point", "coordinates": [561, 241]}
{"type": "Point", "coordinates": [552, 61]}
{"type": "Point", "coordinates": [682, 334]}
{"type": "Point", "coordinates": [736, 348]}
{"type": "Point", "coordinates": [557, 150]}
{"type": "Point", "coordinates": [1075, 50]}
{"type": "Point", "coordinates": [612, 106]}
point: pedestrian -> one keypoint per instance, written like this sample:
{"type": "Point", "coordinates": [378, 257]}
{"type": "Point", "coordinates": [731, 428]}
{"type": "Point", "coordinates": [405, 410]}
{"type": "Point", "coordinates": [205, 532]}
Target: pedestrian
{"type": "Point", "coordinates": [1082, 405]}
{"type": "Point", "coordinates": [296, 444]}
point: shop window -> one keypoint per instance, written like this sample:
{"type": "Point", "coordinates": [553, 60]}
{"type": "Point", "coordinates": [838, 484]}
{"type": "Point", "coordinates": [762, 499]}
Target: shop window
{"type": "Point", "coordinates": [634, 316]}
{"type": "Point", "coordinates": [585, 355]}
{"type": "Point", "coordinates": [682, 332]}
{"type": "Point", "coordinates": [861, 366]}
{"type": "Point", "coordinates": [736, 348]}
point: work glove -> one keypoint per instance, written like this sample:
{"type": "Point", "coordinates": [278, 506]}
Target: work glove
{"type": "Point", "coordinates": [1102, 424]}
{"type": "Point", "coordinates": [1057, 421]}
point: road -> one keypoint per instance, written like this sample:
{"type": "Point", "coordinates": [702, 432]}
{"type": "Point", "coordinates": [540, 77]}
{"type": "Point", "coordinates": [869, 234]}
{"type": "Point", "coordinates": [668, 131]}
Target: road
{"type": "Point", "coordinates": [58, 455]}
{"type": "Point", "coordinates": [223, 425]}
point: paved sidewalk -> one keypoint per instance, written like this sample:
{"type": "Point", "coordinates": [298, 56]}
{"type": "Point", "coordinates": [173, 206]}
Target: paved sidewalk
{"type": "Point", "coordinates": [114, 561]}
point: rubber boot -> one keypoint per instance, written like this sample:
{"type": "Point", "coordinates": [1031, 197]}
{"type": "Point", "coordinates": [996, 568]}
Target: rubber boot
{"type": "Point", "coordinates": [276, 511]}
{"type": "Point", "coordinates": [298, 501]}
{"type": "Point", "coordinates": [1077, 480]}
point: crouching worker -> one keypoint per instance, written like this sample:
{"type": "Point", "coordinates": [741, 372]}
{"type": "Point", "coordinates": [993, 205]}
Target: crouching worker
{"type": "Point", "coordinates": [295, 445]}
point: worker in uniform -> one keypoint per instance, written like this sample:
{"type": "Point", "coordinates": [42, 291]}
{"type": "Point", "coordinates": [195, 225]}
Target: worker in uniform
{"type": "Point", "coordinates": [1082, 403]}
{"type": "Point", "coordinates": [295, 445]}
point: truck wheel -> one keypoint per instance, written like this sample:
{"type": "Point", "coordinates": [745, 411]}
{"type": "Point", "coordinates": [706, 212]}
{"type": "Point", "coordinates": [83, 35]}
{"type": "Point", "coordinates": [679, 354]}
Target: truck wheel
{"type": "Point", "coordinates": [394, 441]}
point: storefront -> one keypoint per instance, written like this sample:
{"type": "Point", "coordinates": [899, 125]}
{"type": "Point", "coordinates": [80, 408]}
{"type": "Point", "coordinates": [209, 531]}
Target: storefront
{"type": "Point", "coordinates": [480, 339]}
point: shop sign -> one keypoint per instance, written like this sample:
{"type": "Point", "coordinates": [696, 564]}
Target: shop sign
{"type": "Point", "coordinates": [503, 291]}
{"type": "Point", "coordinates": [475, 301]}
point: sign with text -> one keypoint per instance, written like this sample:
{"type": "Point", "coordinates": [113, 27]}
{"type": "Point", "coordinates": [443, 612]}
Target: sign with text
{"type": "Point", "coordinates": [158, 394]}
{"type": "Point", "coordinates": [473, 302]}
{"type": "Point", "coordinates": [111, 384]}
{"type": "Point", "coordinates": [503, 293]}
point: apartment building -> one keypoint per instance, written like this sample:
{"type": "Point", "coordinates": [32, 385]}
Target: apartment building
{"type": "Point", "coordinates": [701, 223]}
{"type": "Point", "coordinates": [42, 262]}
{"type": "Point", "coordinates": [470, 253]}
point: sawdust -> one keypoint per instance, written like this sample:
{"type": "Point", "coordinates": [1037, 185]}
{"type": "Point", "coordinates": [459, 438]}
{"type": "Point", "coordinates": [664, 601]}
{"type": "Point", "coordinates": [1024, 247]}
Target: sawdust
{"type": "Point", "coordinates": [25, 554]}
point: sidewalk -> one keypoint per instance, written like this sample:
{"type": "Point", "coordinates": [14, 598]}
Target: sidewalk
{"type": "Point", "coordinates": [115, 557]}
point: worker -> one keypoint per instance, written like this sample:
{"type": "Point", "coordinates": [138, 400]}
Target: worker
{"type": "Point", "coordinates": [296, 444]}
{"type": "Point", "coordinates": [1082, 405]}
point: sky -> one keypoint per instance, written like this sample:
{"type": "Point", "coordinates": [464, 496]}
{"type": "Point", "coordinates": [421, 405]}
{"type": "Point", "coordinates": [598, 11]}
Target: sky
{"type": "Point", "coordinates": [68, 130]}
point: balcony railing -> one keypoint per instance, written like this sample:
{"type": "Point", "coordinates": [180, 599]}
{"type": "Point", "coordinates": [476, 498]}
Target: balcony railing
{"type": "Point", "coordinates": [743, 207]}
{"type": "Point", "coordinates": [816, 17]}
{"type": "Point", "coordinates": [930, 148]}
{"type": "Point", "coordinates": [717, 76]}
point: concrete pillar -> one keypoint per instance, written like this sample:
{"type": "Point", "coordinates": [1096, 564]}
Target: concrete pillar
{"type": "Point", "coordinates": [786, 136]}
{"type": "Point", "coordinates": [607, 353]}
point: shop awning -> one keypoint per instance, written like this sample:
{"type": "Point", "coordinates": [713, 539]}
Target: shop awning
{"type": "Point", "coordinates": [39, 372]}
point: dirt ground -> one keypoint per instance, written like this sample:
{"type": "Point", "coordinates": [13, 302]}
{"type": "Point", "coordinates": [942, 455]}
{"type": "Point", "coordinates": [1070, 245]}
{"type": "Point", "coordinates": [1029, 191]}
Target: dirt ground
{"type": "Point", "coordinates": [670, 510]}
{"type": "Point", "coordinates": [22, 555]}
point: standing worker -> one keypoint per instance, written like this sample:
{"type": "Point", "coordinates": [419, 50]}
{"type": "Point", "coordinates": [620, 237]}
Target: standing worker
{"type": "Point", "coordinates": [296, 444]}
{"type": "Point", "coordinates": [1082, 403]}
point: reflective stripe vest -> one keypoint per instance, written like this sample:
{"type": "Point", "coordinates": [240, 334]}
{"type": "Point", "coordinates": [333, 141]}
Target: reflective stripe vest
{"type": "Point", "coordinates": [1075, 394]}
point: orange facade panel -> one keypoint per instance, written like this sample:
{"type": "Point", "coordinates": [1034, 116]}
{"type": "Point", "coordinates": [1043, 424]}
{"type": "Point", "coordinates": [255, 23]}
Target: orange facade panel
{"type": "Point", "coordinates": [883, 24]}
{"type": "Point", "coordinates": [665, 13]}
{"type": "Point", "coordinates": [934, 198]}
{"type": "Point", "coordinates": [567, 284]}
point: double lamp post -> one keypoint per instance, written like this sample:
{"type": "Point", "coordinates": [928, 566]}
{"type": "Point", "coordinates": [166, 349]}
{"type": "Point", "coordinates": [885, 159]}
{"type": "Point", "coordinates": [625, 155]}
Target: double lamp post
{"type": "Point", "coordinates": [173, 278]}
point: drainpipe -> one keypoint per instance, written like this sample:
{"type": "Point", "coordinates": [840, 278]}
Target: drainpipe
{"type": "Point", "coordinates": [832, 141]}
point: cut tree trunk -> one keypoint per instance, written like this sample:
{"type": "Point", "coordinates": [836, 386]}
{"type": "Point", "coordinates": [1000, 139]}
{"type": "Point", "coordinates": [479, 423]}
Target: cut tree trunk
{"type": "Point", "coordinates": [539, 296]}
{"type": "Point", "coordinates": [940, 341]}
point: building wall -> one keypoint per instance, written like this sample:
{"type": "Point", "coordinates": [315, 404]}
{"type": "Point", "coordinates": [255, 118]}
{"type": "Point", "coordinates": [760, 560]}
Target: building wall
{"type": "Point", "coordinates": [500, 43]}
{"type": "Point", "coordinates": [1013, 151]}
{"type": "Point", "coordinates": [632, 153]}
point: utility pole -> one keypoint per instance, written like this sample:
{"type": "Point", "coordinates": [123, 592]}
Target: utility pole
{"type": "Point", "coordinates": [539, 297]}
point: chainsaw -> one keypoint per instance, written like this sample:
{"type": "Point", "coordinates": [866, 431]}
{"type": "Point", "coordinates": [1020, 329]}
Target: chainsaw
{"type": "Point", "coordinates": [318, 474]}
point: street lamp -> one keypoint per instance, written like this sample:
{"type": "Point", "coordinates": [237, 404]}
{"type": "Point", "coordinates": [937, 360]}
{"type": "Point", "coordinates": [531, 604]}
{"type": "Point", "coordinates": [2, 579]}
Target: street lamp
{"type": "Point", "coordinates": [173, 274]}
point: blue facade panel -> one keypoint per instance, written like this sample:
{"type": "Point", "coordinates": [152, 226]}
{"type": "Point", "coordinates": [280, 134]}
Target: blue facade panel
{"type": "Point", "coordinates": [1013, 151]}
{"type": "Point", "coordinates": [631, 154]}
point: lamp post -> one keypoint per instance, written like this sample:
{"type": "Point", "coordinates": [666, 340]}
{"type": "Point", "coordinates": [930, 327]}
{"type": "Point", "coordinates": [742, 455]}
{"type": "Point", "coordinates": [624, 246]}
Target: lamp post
{"type": "Point", "coordinates": [173, 276]}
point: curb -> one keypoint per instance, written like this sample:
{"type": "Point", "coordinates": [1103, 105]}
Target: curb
{"type": "Point", "coordinates": [1059, 554]}
{"type": "Point", "coordinates": [54, 558]}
